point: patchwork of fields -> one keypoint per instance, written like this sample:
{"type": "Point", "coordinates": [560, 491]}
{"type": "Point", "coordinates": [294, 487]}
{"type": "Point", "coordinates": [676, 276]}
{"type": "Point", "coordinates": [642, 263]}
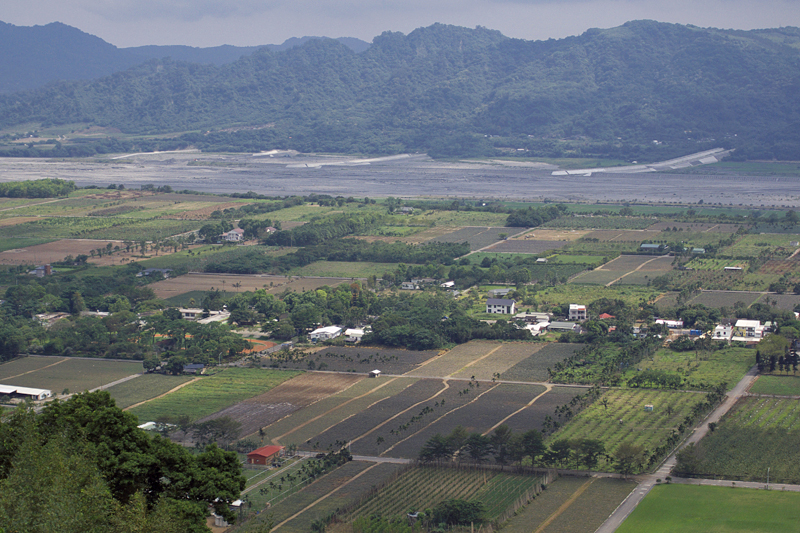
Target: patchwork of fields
{"type": "Point", "coordinates": [66, 373]}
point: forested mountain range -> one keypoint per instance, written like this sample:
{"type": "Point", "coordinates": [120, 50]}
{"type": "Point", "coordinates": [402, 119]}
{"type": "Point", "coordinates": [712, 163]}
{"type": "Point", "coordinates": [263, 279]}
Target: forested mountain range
{"type": "Point", "coordinates": [31, 56]}
{"type": "Point", "coordinates": [454, 91]}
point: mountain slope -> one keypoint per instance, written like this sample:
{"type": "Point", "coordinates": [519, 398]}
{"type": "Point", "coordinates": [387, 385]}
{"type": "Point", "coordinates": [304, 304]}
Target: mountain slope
{"type": "Point", "coordinates": [450, 90]}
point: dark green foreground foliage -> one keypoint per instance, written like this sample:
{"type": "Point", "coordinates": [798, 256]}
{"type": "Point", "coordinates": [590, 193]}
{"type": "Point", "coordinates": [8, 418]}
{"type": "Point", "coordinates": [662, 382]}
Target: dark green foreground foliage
{"type": "Point", "coordinates": [83, 465]}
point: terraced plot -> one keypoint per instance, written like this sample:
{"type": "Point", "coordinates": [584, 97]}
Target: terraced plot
{"type": "Point", "coordinates": [305, 424]}
{"type": "Point", "coordinates": [519, 246]}
{"type": "Point", "coordinates": [508, 356]}
{"type": "Point", "coordinates": [478, 236]}
{"type": "Point", "coordinates": [361, 359]}
{"type": "Point", "coordinates": [534, 367]}
{"type": "Point", "coordinates": [59, 373]}
{"type": "Point", "coordinates": [261, 411]}
{"type": "Point", "coordinates": [488, 405]}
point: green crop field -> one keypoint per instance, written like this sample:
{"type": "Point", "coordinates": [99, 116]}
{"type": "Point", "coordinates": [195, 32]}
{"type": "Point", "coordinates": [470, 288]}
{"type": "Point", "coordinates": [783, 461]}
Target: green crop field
{"type": "Point", "coordinates": [589, 260]}
{"type": "Point", "coordinates": [59, 373]}
{"type": "Point", "coordinates": [13, 243]}
{"type": "Point", "coordinates": [608, 222]}
{"type": "Point", "coordinates": [701, 371]}
{"type": "Point", "coordinates": [758, 434]}
{"type": "Point", "coordinates": [459, 218]}
{"type": "Point", "coordinates": [753, 245]}
{"type": "Point", "coordinates": [103, 228]}
{"type": "Point", "coordinates": [623, 418]}
{"type": "Point", "coordinates": [596, 500]}
{"type": "Point", "coordinates": [343, 269]}
{"type": "Point", "coordinates": [778, 385]}
{"type": "Point", "coordinates": [144, 388]}
{"type": "Point", "coordinates": [574, 293]}
{"type": "Point", "coordinates": [701, 509]}
{"type": "Point", "coordinates": [425, 486]}
{"type": "Point", "coordinates": [703, 263]}
{"type": "Point", "coordinates": [210, 394]}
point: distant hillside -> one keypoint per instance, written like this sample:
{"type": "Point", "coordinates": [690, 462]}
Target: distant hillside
{"type": "Point", "coordinates": [641, 90]}
{"type": "Point", "coordinates": [31, 57]}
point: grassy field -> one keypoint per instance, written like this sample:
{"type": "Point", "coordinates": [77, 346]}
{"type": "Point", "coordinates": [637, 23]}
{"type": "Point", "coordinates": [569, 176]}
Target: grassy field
{"type": "Point", "coordinates": [758, 434]}
{"type": "Point", "coordinates": [701, 371]}
{"type": "Point", "coordinates": [15, 243]}
{"type": "Point", "coordinates": [623, 418]}
{"type": "Point", "coordinates": [753, 245]}
{"type": "Point", "coordinates": [344, 269]}
{"type": "Point", "coordinates": [778, 385]}
{"type": "Point", "coordinates": [696, 509]}
{"type": "Point", "coordinates": [604, 222]}
{"type": "Point", "coordinates": [594, 500]}
{"type": "Point", "coordinates": [458, 218]}
{"type": "Point", "coordinates": [99, 228]}
{"type": "Point", "coordinates": [144, 388]}
{"type": "Point", "coordinates": [574, 293]}
{"type": "Point", "coordinates": [210, 394]}
{"type": "Point", "coordinates": [59, 373]}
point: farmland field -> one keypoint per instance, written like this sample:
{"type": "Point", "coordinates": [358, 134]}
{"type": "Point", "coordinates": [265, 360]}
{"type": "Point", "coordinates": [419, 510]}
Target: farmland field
{"type": "Point", "coordinates": [625, 420]}
{"type": "Point", "coordinates": [361, 359]}
{"type": "Point", "coordinates": [486, 406]}
{"type": "Point", "coordinates": [213, 393]}
{"type": "Point", "coordinates": [786, 302]}
{"type": "Point", "coordinates": [305, 424]}
{"type": "Point", "coordinates": [424, 487]}
{"type": "Point", "coordinates": [459, 218]}
{"type": "Point", "coordinates": [204, 282]}
{"type": "Point", "coordinates": [704, 509]}
{"type": "Point", "coordinates": [572, 293]}
{"type": "Point", "coordinates": [708, 263]}
{"type": "Point", "coordinates": [759, 433]}
{"type": "Point", "coordinates": [144, 387]}
{"type": "Point", "coordinates": [534, 368]}
{"type": "Point", "coordinates": [59, 373]}
{"type": "Point", "coordinates": [597, 277]}
{"type": "Point", "coordinates": [701, 371]}
{"type": "Point", "coordinates": [753, 245]}
{"type": "Point", "coordinates": [725, 298]}
{"type": "Point", "coordinates": [52, 252]}
{"type": "Point", "coordinates": [107, 228]}
{"type": "Point", "coordinates": [458, 358]}
{"type": "Point", "coordinates": [509, 355]}
{"type": "Point", "coordinates": [519, 246]}
{"type": "Point", "coordinates": [603, 222]}
{"type": "Point", "coordinates": [533, 416]}
{"type": "Point", "coordinates": [344, 269]}
{"type": "Point", "coordinates": [19, 243]}
{"type": "Point", "coordinates": [478, 236]}
{"type": "Point", "coordinates": [620, 235]}
{"type": "Point", "coordinates": [554, 234]}
{"type": "Point", "coordinates": [598, 499]}
{"type": "Point", "coordinates": [778, 385]}
{"type": "Point", "coordinates": [695, 227]}
{"type": "Point", "coordinates": [291, 395]}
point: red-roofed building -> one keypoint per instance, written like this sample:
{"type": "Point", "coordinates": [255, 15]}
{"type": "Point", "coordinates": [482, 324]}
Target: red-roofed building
{"type": "Point", "coordinates": [264, 455]}
{"type": "Point", "coordinates": [605, 316]}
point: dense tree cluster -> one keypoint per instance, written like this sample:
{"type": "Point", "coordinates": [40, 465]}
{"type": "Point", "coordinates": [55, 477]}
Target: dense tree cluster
{"type": "Point", "coordinates": [46, 188]}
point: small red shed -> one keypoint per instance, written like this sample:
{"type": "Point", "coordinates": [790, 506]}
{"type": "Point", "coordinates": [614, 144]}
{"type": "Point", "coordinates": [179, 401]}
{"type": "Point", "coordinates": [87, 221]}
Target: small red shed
{"type": "Point", "coordinates": [264, 455]}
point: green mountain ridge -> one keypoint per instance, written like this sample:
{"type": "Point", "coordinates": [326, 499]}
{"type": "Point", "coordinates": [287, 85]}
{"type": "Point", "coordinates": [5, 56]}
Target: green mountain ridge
{"type": "Point", "coordinates": [454, 91]}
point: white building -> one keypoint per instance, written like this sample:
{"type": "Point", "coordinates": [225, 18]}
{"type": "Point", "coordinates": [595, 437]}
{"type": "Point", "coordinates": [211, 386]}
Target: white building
{"type": "Point", "coordinates": [500, 306]}
{"type": "Point", "coordinates": [353, 335]}
{"type": "Point", "coordinates": [409, 286]}
{"type": "Point", "coordinates": [672, 324]}
{"type": "Point", "coordinates": [234, 235]}
{"type": "Point", "coordinates": [747, 331]}
{"type": "Point", "coordinates": [323, 334]}
{"type": "Point", "coordinates": [577, 312]}
{"type": "Point", "coordinates": [723, 332]}
{"type": "Point", "coordinates": [25, 392]}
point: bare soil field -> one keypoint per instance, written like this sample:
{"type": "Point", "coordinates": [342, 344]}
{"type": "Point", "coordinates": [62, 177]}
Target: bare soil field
{"type": "Point", "coordinates": [205, 282]}
{"type": "Point", "coordinates": [555, 234]}
{"type": "Point", "coordinates": [261, 411]}
{"type": "Point", "coordinates": [360, 359]}
{"type": "Point", "coordinates": [623, 235]}
{"type": "Point", "coordinates": [659, 264]}
{"type": "Point", "coordinates": [534, 367]}
{"type": "Point", "coordinates": [428, 234]}
{"type": "Point", "coordinates": [509, 355]}
{"type": "Point", "coordinates": [520, 246]}
{"type": "Point", "coordinates": [54, 251]}
{"type": "Point", "coordinates": [457, 359]}
{"type": "Point", "coordinates": [13, 221]}
{"type": "Point", "coordinates": [487, 406]}
{"type": "Point", "coordinates": [205, 212]}
{"type": "Point", "coordinates": [628, 263]}
{"type": "Point", "coordinates": [694, 226]}
{"type": "Point", "coordinates": [478, 236]}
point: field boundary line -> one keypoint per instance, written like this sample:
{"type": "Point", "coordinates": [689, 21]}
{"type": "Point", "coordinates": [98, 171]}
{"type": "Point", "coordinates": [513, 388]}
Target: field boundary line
{"type": "Point", "coordinates": [276, 440]}
{"type": "Point", "coordinates": [547, 388]}
{"type": "Point", "coordinates": [481, 358]}
{"type": "Point", "coordinates": [475, 399]}
{"type": "Point", "coordinates": [634, 270]}
{"type": "Point", "coordinates": [37, 369]}
{"type": "Point", "coordinates": [446, 386]}
{"type": "Point", "coordinates": [564, 506]}
{"type": "Point", "coordinates": [162, 395]}
{"type": "Point", "coordinates": [326, 496]}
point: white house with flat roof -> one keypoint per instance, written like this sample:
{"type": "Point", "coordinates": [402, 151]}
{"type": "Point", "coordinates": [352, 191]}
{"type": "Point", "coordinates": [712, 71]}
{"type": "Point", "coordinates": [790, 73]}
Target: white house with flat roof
{"type": "Point", "coordinates": [323, 334]}
{"type": "Point", "coordinates": [747, 331]}
{"type": "Point", "coordinates": [500, 306]}
{"type": "Point", "coordinates": [577, 312]}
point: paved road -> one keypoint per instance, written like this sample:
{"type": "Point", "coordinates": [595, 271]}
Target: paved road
{"type": "Point", "coordinates": [648, 481]}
